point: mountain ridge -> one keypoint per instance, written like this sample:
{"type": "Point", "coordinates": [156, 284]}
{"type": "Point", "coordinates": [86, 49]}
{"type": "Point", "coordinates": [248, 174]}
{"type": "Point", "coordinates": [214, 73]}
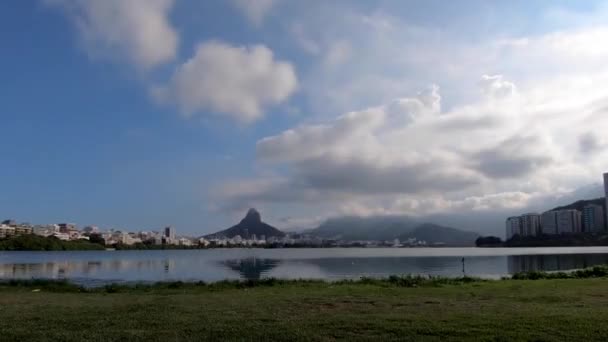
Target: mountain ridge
{"type": "Point", "coordinates": [392, 227]}
{"type": "Point", "coordinates": [250, 225]}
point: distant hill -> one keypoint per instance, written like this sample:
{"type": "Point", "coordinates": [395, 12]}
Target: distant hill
{"type": "Point", "coordinates": [432, 233]}
{"type": "Point", "coordinates": [250, 225]}
{"type": "Point", "coordinates": [579, 205]}
{"type": "Point", "coordinates": [392, 227]}
{"type": "Point", "coordinates": [365, 228]}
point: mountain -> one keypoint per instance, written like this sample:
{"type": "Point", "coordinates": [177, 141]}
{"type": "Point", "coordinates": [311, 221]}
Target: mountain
{"type": "Point", "coordinates": [364, 228]}
{"type": "Point", "coordinates": [432, 233]}
{"type": "Point", "coordinates": [579, 205]}
{"type": "Point", "coordinates": [250, 225]}
{"type": "Point", "coordinates": [392, 227]}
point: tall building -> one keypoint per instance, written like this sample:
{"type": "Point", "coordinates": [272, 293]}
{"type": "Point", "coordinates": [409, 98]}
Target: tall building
{"type": "Point", "coordinates": [170, 233]}
{"type": "Point", "coordinates": [67, 227]}
{"type": "Point", "coordinates": [569, 221]}
{"type": "Point", "coordinates": [548, 223]}
{"type": "Point", "coordinates": [530, 224]}
{"type": "Point", "coordinates": [606, 196]}
{"type": "Point", "coordinates": [593, 218]}
{"type": "Point", "coordinates": [513, 227]}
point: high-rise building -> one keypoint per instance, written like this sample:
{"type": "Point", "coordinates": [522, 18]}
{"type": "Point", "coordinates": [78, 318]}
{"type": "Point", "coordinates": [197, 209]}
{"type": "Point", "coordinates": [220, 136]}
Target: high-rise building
{"type": "Point", "coordinates": [569, 221]}
{"type": "Point", "coordinates": [593, 218]}
{"type": "Point", "coordinates": [170, 233]}
{"type": "Point", "coordinates": [606, 197]}
{"type": "Point", "coordinates": [548, 223]}
{"type": "Point", "coordinates": [513, 227]}
{"type": "Point", "coordinates": [67, 227]}
{"type": "Point", "coordinates": [530, 224]}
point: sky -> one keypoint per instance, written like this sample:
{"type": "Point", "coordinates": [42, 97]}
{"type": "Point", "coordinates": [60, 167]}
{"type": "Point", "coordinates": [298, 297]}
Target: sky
{"type": "Point", "coordinates": [137, 114]}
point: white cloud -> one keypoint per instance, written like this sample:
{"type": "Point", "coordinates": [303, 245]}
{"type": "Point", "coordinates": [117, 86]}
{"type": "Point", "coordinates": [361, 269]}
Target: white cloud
{"type": "Point", "coordinates": [495, 86]}
{"type": "Point", "coordinates": [255, 10]}
{"type": "Point", "coordinates": [411, 156]}
{"type": "Point", "coordinates": [239, 82]}
{"type": "Point", "coordinates": [138, 30]}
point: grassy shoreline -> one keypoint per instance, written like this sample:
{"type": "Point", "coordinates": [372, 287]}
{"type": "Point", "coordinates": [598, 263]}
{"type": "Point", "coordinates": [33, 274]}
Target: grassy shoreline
{"type": "Point", "coordinates": [531, 306]}
{"type": "Point", "coordinates": [599, 271]}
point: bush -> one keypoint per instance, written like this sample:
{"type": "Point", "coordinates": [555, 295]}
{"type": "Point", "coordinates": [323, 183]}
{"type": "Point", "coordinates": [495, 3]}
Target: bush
{"type": "Point", "coordinates": [40, 243]}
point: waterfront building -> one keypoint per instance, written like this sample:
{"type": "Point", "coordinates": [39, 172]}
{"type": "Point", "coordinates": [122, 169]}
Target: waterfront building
{"type": "Point", "coordinates": [62, 236]}
{"type": "Point", "coordinates": [548, 223]}
{"type": "Point", "coordinates": [90, 230]}
{"type": "Point", "coordinates": [569, 221]}
{"type": "Point", "coordinates": [23, 229]}
{"type": "Point", "coordinates": [513, 227]}
{"type": "Point", "coordinates": [6, 231]}
{"type": "Point", "coordinates": [530, 224]}
{"type": "Point", "coordinates": [67, 228]}
{"type": "Point", "coordinates": [185, 242]}
{"type": "Point", "coordinates": [606, 197]}
{"type": "Point", "coordinates": [170, 233]}
{"type": "Point", "coordinates": [593, 218]}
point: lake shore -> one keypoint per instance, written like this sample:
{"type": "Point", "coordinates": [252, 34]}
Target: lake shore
{"type": "Point", "coordinates": [390, 309]}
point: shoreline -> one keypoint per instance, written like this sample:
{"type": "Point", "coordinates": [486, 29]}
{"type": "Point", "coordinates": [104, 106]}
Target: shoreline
{"type": "Point", "coordinates": [598, 271]}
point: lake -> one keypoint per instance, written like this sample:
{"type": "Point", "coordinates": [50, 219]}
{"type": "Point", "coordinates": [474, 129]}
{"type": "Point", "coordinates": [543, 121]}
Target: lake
{"type": "Point", "coordinates": [94, 268]}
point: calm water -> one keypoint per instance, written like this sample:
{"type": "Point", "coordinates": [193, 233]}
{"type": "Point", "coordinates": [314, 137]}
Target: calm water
{"type": "Point", "coordinates": [101, 267]}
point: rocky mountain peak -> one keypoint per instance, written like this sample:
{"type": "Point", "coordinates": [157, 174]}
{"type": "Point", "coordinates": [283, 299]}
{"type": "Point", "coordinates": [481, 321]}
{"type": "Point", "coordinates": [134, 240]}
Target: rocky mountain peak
{"type": "Point", "coordinates": [253, 216]}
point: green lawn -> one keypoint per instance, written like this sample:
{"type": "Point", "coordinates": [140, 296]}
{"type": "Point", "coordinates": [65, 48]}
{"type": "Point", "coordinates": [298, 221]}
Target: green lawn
{"type": "Point", "coordinates": [509, 310]}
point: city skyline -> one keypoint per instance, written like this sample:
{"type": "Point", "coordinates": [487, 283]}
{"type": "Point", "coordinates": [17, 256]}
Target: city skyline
{"type": "Point", "coordinates": [185, 113]}
{"type": "Point", "coordinates": [593, 218]}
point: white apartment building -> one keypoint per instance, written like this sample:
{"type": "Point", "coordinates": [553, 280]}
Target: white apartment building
{"type": "Point", "coordinates": [6, 231]}
{"type": "Point", "coordinates": [569, 221]}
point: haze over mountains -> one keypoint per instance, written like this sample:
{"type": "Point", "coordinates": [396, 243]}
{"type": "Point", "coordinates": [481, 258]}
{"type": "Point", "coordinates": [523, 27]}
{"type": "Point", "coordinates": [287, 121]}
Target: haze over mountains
{"type": "Point", "coordinates": [357, 228]}
{"type": "Point", "coordinates": [392, 227]}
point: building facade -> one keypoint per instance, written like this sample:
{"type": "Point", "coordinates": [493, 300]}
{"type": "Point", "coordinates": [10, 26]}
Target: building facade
{"type": "Point", "coordinates": [513, 227]}
{"type": "Point", "coordinates": [606, 197]}
{"type": "Point", "coordinates": [548, 222]}
{"type": "Point", "coordinates": [170, 233]}
{"type": "Point", "coordinates": [593, 218]}
{"type": "Point", "coordinates": [569, 221]}
{"type": "Point", "coordinates": [530, 224]}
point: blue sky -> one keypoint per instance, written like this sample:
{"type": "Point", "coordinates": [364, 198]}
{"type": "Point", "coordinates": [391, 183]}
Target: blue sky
{"type": "Point", "coordinates": [138, 114]}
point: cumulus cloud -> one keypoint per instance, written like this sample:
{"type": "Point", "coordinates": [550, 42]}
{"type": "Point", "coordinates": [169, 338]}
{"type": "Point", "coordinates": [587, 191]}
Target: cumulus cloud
{"type": "Point", "coordinates": [512, 158]}
{"type": "Point", "coordinates": [239, 82]}
{"type": "Point", "coordinates": [412, 156]}
{"type": "Point", "coordinates": [496, 86]}
{"type": "Point", "coordinates": [138, 30]}
{"type": "Point", "coordinates": [255, 10]}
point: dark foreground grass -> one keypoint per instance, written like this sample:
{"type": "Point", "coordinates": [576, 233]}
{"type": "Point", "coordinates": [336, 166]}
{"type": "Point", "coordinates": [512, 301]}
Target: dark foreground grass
{"type": "Point", "coordinates": [398, 308]}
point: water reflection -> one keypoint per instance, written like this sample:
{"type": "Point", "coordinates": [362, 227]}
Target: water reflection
{"type": "Point", "coordinates": [214, 265]}
{"type": "Point", "coordinates": [528, 263]}
{"type": "Point", "coordinates": [251, 268]}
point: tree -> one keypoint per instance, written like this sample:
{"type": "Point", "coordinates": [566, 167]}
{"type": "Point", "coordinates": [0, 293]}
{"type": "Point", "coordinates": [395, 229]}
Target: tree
{"type": "Point", "coordinates": [488, 241]}
{"type": "Point", "coordinates": [97, 238]}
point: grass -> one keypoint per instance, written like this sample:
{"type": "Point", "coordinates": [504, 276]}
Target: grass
{"type": "Point", "coordinates": [396, 308]}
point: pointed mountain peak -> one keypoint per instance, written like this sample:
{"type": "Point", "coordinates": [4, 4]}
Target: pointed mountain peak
{"type": "Point", "coordinates": [253, 216]}
{"type": "Point", "coordinates": [250, 225]}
